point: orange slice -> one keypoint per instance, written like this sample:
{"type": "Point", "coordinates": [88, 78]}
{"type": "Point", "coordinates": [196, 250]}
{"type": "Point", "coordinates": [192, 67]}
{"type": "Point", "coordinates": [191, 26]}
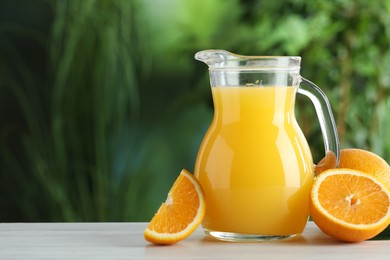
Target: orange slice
{"type": "Point", "coordinates": [180, 215]}
{"type": "Point", "coordinates": [350, 205]}
{"type": "Point", "coordinates": [360, 160]}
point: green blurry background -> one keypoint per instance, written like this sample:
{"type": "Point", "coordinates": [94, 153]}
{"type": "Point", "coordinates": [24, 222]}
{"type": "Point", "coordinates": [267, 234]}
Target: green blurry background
{"type": "Point", "coordinates": [102, 103]}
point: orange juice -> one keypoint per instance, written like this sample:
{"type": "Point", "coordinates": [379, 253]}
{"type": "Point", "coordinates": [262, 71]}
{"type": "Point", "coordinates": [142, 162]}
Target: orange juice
{"type": "Point", "coordinates": [254, 163]}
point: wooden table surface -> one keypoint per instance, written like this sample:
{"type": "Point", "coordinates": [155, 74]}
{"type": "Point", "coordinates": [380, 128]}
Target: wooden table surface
{"type": "Point", "coordinates": [125, 241]}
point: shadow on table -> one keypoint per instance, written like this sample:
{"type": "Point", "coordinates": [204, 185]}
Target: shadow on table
{"type": "Point", "coordinates": [297, 240]}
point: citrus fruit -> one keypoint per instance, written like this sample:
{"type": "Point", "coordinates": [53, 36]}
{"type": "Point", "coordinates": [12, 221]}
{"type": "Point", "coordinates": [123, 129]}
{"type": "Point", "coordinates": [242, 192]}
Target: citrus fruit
{"type": "Point", "coordinates": [360, 160]}
{"type": "Point", "coordinates": [350, 205]}
{"type": "Point", "coordinates": [328, 162]}
{"type": "Point", "coordinates": [181, 213]}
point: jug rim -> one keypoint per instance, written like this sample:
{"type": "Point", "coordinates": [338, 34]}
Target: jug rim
{"type": "Point", "coordinates": [218, 59]}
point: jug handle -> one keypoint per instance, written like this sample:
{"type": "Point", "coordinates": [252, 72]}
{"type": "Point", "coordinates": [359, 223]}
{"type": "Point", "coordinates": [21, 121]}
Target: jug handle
{"type": "Point", "coordinates": [327, 124]}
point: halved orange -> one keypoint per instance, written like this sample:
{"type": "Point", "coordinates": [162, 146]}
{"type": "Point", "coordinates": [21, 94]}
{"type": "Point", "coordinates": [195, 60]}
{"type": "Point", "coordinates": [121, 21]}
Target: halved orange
{"type": "Point", "coordinates": [361, 160]}
{"type": "Point", "coordinates": [350, 205]}
{"type": "Point", "coordinates": [181, 214]}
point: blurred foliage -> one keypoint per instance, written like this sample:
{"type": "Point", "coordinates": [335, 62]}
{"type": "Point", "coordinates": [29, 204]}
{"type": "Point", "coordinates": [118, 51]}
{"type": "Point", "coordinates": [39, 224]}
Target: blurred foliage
{"type": "Point", "coordinates": [102, 103]}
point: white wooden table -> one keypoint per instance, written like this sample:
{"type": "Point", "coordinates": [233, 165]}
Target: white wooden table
{"type": "Point", "coordinates": [125, 241]}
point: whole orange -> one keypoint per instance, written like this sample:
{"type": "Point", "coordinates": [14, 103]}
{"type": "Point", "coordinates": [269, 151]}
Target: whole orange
{"type": "Point", "coordinates": [361, 160]}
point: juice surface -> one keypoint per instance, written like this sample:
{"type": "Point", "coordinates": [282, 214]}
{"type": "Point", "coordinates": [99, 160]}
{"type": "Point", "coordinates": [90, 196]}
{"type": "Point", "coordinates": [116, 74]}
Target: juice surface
{"type": "Point", "coordinates": [254, 163]}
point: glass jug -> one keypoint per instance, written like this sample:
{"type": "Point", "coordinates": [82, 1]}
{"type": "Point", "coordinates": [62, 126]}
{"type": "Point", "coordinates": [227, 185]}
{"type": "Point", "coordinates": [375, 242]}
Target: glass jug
{"type": "Point", "coordinates": [254, 163]}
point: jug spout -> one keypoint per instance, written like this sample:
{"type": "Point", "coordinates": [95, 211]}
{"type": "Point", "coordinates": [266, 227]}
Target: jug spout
{"type": "Point", "coordinates": [214, 57]}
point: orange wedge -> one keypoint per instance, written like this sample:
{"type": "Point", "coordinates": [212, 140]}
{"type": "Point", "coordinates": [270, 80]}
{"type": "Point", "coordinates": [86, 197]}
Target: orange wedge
{"type": "Point", "coordinates": [350, 205]}
{"type": "Point", "coordinates": [180, 215]}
